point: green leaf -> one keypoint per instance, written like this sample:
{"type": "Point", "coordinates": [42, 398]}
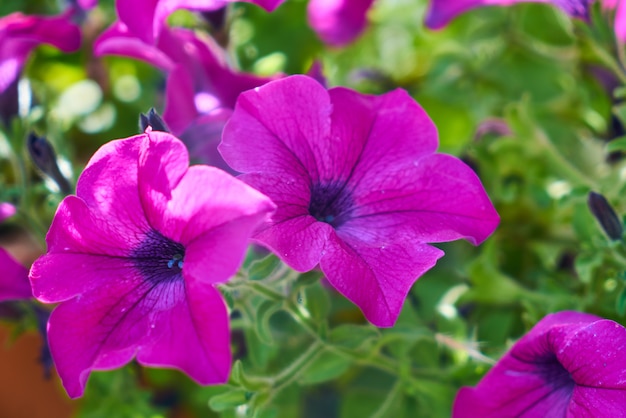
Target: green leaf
{"type": "Point", "coordinates": [261, 269]}
{"type": "Point", "coordinates": [316, 301]}
{"type": "Point", "coordinates": [327, 366]}
{"type": "Point", "coordinates": [239, 377]}
{"type": "Point", "coordinates": [586, 264]}
{"type": "Point", "coordinates": [353, 336]}
{"type": "Point", "coordinates": [618, 144]}
{"type": "Point", "coordinates": [230, 399]}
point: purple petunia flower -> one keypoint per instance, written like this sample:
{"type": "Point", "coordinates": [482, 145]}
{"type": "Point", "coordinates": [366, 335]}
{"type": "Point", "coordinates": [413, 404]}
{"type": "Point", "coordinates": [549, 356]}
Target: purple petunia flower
{"type": "Point", "coordinates": [20, 34]}
{"type": "Point", "coordinates": [201, 88]}
{"type": "Point", "coordinates": [441, 12]}
{"type": "Point", "coordinates": [569, 365]}
{"type": "Point", "coordinates": [14, 278]}
{"type": "Point", "coordinates": [359, 188]}
{"type": "Point", "coordinates": [133, 259]}
{"type": "Point", "coordinates": [338, 22]}
{"type": "Point", "coordinates": [145, 19]}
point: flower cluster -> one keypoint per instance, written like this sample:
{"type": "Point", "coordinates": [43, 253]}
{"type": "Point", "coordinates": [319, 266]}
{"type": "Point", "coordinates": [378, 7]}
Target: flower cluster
{"type": "Point", "coordinates": [329, 179]}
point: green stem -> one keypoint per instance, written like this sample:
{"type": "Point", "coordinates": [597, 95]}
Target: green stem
{"type": "Point", "coordinates": [385, 408]}
{"type": "Point", "coordinates": [289, 374]}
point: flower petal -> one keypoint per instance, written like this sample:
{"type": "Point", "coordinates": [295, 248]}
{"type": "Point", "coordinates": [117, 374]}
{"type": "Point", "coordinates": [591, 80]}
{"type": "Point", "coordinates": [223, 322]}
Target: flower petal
{"type": "Point", "coordinates": [523, 397]}
{"type": "Point", "coordinates": [108, 325]}
{"type": "Point", "coordinates": [138, 16]}
{"type": "Point", "coordinates": [338, 22]}
{"type": "Point", "coordinates": [376, 275]}
{"type": "Point", "coordinates": [20, 33]}
{"type": "Point", "coordinates": [180, 108]}
{"type": "Point", "coordinates": [119, 40]}
{"type": "Point", "coordinates": [108, 186]}
{"type": "Point", "coordinates": [278, 119]}
{"type": "Point", "coordinates": [377, 133]}
{"type": "Point", "coordinates": [433, 199]}
{"type": "Point", "coordinates": [14, 279]}
{"type": "Point", "coordinates": [222, 247]}
{"type": "Point", "coordinates": [88, 272]}
{"type": "Point", "coordinates": [77, 228]}
{"type": "Point", "coordinates": [596, 402]}
{"type": "Point", "coordinates": [592, 353]}
{"type": "Point", "coordinates": [186, 207]}
{"type": "Point", "coordinates": [193, 337]}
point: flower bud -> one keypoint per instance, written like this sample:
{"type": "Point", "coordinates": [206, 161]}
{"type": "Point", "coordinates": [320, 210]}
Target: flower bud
{"type": "Point", "coordinates": [604, 213]}
{"type": "Point", "coordinates": [43, 156]}
{"type": "Point", "coordinates": [153, 120]}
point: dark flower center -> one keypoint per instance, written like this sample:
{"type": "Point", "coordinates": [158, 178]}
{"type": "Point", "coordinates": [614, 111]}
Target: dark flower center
{"type": "Point", "coordinates": [577, 8]}
{"type": "Point", "coordinates": [555, 374]}
{"type": "Point", "coordinates": [330, 203]}
{"type": "Point", "coordinates": [159, 259]}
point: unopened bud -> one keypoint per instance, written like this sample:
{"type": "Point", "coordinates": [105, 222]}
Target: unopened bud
{"type": "Point", "coordinates": [604, 213]}
{"type": "Point", "coordinates": [153, 120]}
{"type": "Point", "coordinates": [45, 159]}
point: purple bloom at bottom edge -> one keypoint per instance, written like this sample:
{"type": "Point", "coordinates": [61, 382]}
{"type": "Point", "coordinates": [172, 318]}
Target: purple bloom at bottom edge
{"type": "Point", "coordinates": [569, 365]}
{"type": "Point", "coordinates": [133, 259]}
{"type": "Point", "coordinates": [359, 188]}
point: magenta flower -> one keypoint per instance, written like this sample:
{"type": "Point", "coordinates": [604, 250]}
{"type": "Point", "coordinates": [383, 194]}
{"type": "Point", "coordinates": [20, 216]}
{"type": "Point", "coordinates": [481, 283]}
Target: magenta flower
{"type": "Point", "coordinates": [338, 22]}
{"type": "Point", "coordinates": [20, 34]}
{"type": "Point", "coordinates": [201, 88]}
{"type": "Point", "coordinates": [133, 259]}
{"type": "Point", "coordinates": [359, 188]}
{"type": "Point", "coordinates": [14, 278]}
{"type": "Point", "coordinates": [146, 18]}
{"type": "Point", "coordinates": [569, 365]}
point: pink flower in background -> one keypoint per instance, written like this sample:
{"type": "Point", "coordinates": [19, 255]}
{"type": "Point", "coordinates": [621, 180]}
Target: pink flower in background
{"type": "Point", "coordinates": [134, 257]}
{"type": "Point", "coordinates": [20, 34]}
{"type": "Point", "coordinates": [145, 19]}
{"type": "Point", "coordinates": [86, 4]}
{"type": "Point", "coordinates": [568, 365]}
{"type": "Point", "coordinates": [338, 22]}
{"type": "Point", "coordinates": [201, 88]}
{"type": "Point", "coordinates": [14, 278]}
{"type": "Point", "coordinates": [359, 188]}
{"type": "Point", "coordinates": [441, 12]}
